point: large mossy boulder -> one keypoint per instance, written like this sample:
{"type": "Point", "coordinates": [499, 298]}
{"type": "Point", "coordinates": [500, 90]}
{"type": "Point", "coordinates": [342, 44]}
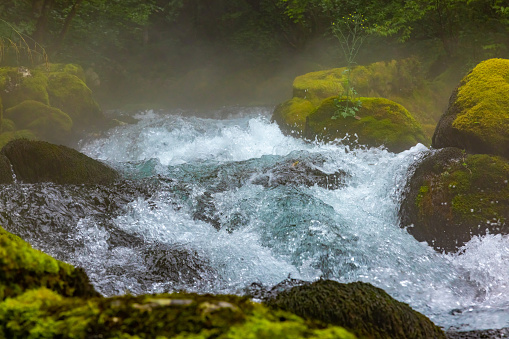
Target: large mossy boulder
{"type": "Point", "coordinates": [5, 170]}
{"type": "Point", "coordinates": [61, 88]}
{"type": "Point", "coordinates": [47, 123]}
{"type": "Point", "coordinates": [453, 196]}
{"type": "Point", "coordinates": [403, 81]}
{"type": "Point", "coordinates": [70, 94]}
{"type": "Point", "coordinates": [378, 122]}
{"type": "Point", "coordinates": [477, 119]}
{"type": "Point", "coordinates": [365, 310]}
{"type": "Point", "coordinates": [40, 161]}
{"type": "Point", "coordinates": [23, 268]}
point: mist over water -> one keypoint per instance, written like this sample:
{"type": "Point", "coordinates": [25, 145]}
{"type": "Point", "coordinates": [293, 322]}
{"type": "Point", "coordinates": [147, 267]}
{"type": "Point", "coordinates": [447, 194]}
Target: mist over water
{"type": "Point", "coordinates": [218, 220]}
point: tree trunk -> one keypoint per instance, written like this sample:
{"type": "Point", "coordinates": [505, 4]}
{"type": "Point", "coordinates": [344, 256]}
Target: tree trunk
{"type": "Point", "coordinates": [67, 25]}
{"type": "Point", "coordinates": [41, 27]}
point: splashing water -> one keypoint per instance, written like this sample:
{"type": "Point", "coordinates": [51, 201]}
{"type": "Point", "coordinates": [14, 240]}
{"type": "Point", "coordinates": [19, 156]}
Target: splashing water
{"type": "Point", "coordinates": [218, 218]}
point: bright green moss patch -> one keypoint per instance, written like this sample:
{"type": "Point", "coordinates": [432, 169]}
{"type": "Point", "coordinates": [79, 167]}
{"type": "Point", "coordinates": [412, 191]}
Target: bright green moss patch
{"type": "Point", "coordinates": [39, 161]}
{"type": "Point", "coordinates": [73, 69]}
{"type": "Point", "coordinates": [18, 87]}
{"type": "Point", "coordinates": [46, 122]}
{"type": "Point", "coordinates": [478, 115]}
{"type": "Point", "coordinates": [291, 115]}
{"type": "Point", "coordinates": [365, 310]}
{"type": "Point", "coordinates": [379, 122]}
{"type": "Point", "coordinates": [43, 313]}
{"type": "Point", "coordinates": [484, 98]}
{"type": "Point", "coordinates": [23, 268]}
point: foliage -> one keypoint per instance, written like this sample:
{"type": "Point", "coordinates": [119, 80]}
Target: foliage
{"type": "Point", "coordinates": [351, 32]}
{"type": "Point", "coordinates": [16, 45]}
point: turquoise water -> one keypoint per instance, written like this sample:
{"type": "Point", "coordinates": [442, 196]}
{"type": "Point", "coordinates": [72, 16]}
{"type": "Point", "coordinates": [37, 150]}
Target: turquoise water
{"type": "Point", "coordinates": [226, 207]}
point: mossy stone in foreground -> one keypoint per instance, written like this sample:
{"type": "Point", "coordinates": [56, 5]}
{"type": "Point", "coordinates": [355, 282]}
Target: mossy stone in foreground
{"type": "Point", "coordinates": [23, 268]}
{"type": "Point", "coordinates": [43, 313]}
{"type": "Point", "coordinates": [40, 161]}
{"type": "Point", "coordinates": [379, 122]}
{"type": "Point", "coordinates": [453, 196]}
{"type": "Point", "coordinates": [365, 310]}
{"type": "Point", "coordinates": [47, 123]}
{"type": "Point", "coordinates": [477, 119]}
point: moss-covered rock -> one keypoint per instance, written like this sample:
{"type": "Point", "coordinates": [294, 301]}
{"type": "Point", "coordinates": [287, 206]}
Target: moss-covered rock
{"type": "Point", "coordinates": [8, 136]}
{"type": "Point", "coordinates": [44, 313]}
{"type": "Point", "coordinates": [71, 95]}
{"type": "Point", "coordinates": [361, 308]}
{"type": "Point", "coordinates": [23, 268]}
{"type": "Point", "coordinates": [291, 115]}
{"type": "Point", "coordinates": [402, 81]}
{"type": "Point", "coordinates": [47, 123]}
{"type": "Point", "coordinates": [39, 161]}
{"type": "Point", "coordinates": [378, 122]}
{"type": "Point", "coordinates": [478, 115]}
{"type": "Point", "coordinates": [73, 69]}
{"type": "Point", "coordinates": [20, 84]}
{"type": "Point", "coordinates": [453, 196]}
{"type": "Point", "coordinates": [5, 170]}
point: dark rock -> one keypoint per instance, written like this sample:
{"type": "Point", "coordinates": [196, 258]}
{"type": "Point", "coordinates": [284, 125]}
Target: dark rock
{"type": "Point", "coordinates": [361, 308]}
{"type": "Point", "coordinates": [5, 170]}
{"type": "Point", "coordinates": [39, 161]}
{"type": "Point", "coordinates": [453, 196]}
{"type": "Point", "coordinates": [479, 334]}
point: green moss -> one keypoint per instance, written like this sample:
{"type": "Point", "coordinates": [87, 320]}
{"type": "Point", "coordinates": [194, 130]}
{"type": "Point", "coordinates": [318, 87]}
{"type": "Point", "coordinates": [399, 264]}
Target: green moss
{"type": "Point", "coordinates": [8, 125]}
{"type": "Point", "coordinates": [466, 197]}
{"type": "Point", "coordinates": [23, 268]}
{"type": "Point", "coordinates": [484, 102]}
{"type": "Point", "coordinates": [380, 122]}
{"type": "Point", "coordinates": [47, 123]}
{"type": "Point", "coordinates": [365, 310]}
{"type": "Point", "coordinates": [43, 313]}
{"type": "Point", "coordinates": [18, 88]}
{"type": "Point", "coordinates": [73, 69]}
{"type": "Point", "coordinates": [291, 115]}
{"type": "Point", "coordinates": [402, 81]}
{"type": "Point", "coordinates": [38, 161]}
{"type": "Point", "coordinates": [7, 137]}
{"type": "Point", "coordinates": [71, 95]}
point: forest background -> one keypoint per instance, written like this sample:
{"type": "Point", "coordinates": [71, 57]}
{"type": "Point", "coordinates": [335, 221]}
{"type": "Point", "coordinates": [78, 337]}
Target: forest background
{"type": "Point", "coordinates": [210, 53]}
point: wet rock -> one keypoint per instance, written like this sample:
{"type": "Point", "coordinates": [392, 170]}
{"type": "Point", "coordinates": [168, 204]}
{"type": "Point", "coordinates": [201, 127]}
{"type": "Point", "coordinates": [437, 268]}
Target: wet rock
{"type": "Point", "coordinates": [480, 334]}
{"type": "Point", "coordinates": [453, 196]}
{"type": "Point", "coordinates": [39, 161]}
{"type": "Point", "coordinates": [5, 170]}
{"type": "Point", "coordinates": [477, 118]}
{"type": "Point", "coordinates": [361, 308]}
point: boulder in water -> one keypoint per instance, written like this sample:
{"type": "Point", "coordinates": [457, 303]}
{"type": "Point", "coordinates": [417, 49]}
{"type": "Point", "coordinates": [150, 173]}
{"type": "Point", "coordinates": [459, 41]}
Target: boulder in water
{"type": "Point", "coordinates": [5, 170]}
{"type": "Point", "coordinates": [477, 119]}
{"type": "Point", "coordinates": [378, 122]}
{"type": "Point", "coordinates": [40, 161]}
{"type": "Point", "coordinates": [359, 307]}
{"type": "Point", "coordinates": [453, 196]}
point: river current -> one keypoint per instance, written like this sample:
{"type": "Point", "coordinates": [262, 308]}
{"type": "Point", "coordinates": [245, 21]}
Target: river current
{"type": "Point", "coordinates": [209, 212]}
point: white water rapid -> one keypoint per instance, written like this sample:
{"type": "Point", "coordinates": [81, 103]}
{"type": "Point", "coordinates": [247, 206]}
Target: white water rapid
{"type": "Point", "coordinates": [230, 231]}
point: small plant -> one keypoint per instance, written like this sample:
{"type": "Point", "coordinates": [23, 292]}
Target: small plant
{"type": "Point", "coordinates": [351, 32]}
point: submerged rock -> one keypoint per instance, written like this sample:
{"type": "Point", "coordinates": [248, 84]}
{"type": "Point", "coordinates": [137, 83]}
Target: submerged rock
{"type": "Point", "coordinates": [453, 196]}
{"type": "Point", "coordinates": [361, 308]}
{"type": "Point", "coordinates": [477, 119]}
{"type": "Point", "coordinates": [39, 161]}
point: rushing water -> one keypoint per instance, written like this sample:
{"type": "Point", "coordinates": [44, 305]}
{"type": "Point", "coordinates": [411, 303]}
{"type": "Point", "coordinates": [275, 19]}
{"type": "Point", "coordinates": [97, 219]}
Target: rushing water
{"type": "Point", "coordinates": [215, 205]}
